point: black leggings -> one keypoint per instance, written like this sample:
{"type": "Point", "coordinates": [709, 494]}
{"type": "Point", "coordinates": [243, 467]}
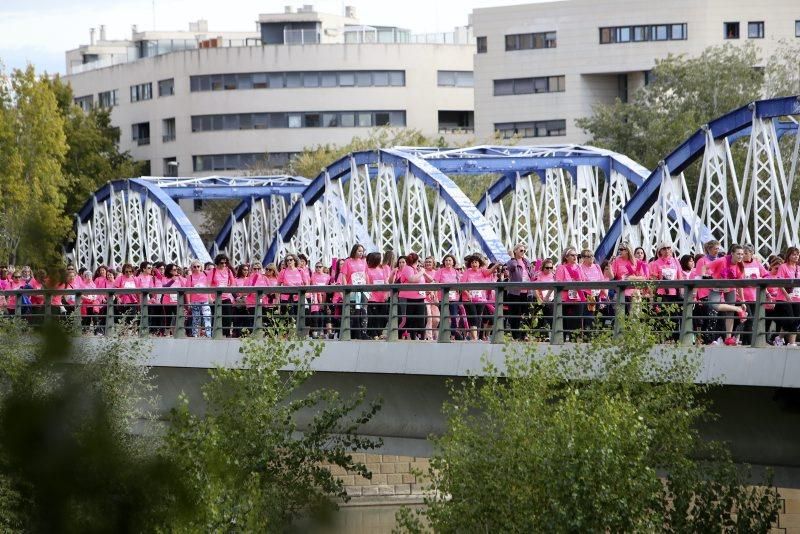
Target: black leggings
{"type": "Point", "coordinates": [415, 317]}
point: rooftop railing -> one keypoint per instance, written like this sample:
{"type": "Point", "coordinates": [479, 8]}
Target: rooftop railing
{"type": "Point", "coordinates": [535, 311]}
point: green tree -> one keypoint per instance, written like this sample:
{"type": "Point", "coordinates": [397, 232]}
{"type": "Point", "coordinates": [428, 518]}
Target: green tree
{"type": "Point", "coordinates": [68, 459]}
{"type": "Point", "coordinates": [684, 94]}
{"type": "Point", "coordinates": [251, 464]}
{"type": "Point", "coordinates": [35, 189]}
{"type": "Point", "coordinates": [575, 442]}
{"type": "Point", "coordinates": [782, 72]}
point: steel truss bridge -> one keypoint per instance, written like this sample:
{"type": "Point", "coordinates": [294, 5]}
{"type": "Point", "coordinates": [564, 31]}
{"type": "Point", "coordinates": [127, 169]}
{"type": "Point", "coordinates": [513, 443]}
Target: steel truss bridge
{"type": "Point", "coordinates": [405, 199]}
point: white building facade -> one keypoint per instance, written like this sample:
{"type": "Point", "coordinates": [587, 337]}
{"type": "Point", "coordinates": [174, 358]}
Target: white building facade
{"type": "Point", "coordinates": [204, 102]}
{"type": "Point", "coordinates": [538, 67]}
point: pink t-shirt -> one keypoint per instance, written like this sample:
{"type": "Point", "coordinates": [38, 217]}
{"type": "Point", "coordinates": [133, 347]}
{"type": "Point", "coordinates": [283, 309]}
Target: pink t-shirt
{"type": "Point", "coordinates": [700, 269]}
{"type": "Point", "coordinates": [753, 271]}
{"type": "Point", "coordinates": [624, 269]}
{"type": "Point", "coordinates": [171, 298]}
{"type": "Point", "coordinates": [790, 271]}
{"type": "Point", "coordinates": [197, 280]}
{"type": "Point", "coordinates": [570, 273]}
{"type": "Point", "coordinates": [724, 269]}
{"type": "Point", "coordinates": [666, 269]}
{"type": "Point", "coordinates": [473, 276]}
{"type": "Point", "coordinates": [291, 276]}
{"type": "Point", "coordinates": [317, 299]}
{"type": "Point", "coordinates": [448, 275]}
{"type": "Point", "coordinates": [127, 281]}
{"type": "Point", "coordinates": [377, 275]}
{"type": "Point", "coordinates": [547, 294]}
{"type": "Point", "coordinates": [409, 275]}
{"type": "Point", "coordinates": [222, 278]}
{"type": "Point", "coordinates": [352, 266]}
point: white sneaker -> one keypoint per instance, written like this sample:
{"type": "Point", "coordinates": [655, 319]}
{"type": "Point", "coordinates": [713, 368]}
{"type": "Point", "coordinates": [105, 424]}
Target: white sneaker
{"type": "Point", "coordinates": [778, 342]}
{"type": "Point", "coordinates": [791, 344]}
{"type": "Point", "coordinates": [717, 341]}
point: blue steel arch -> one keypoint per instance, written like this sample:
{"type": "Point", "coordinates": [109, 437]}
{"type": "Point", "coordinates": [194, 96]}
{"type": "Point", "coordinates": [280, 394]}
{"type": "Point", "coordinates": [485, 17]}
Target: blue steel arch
{"type": "Point", "coordinates": [401, 159]}
{"type": "Point", "coordinates": [731, 125]}
{"type": "Point", "coordinates": [161, 198]}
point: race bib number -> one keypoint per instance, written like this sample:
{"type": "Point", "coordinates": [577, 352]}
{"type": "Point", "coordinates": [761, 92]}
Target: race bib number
{"type": "Point", "coordinates": [452, 296]}
{"type": "Point", "coordinates": [200, 284]}
{"type": "Point", "coordinates": [750, 272]}
{"type": "Point", "coordinates": [572, 294]}
{"type": "Point", "coordinates": [595, 293]}
{"type": "Point", "coordinates": [172, 297]}
{"type": "Point", "coordinates": [668, 273]}
{"type": "Point", "coordinates": [796, 293]}
{"type": "Point", "coordinates": [476, 294]}
{"type": "Point", "coordinates": [129, 284]}
{"type": "Point", "coordinates": [358, 279]}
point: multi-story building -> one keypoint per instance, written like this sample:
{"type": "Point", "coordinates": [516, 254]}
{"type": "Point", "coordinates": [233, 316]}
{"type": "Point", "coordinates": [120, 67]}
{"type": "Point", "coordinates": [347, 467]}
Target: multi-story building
{"type": "Point", "coordinates": [538, 67]}
{"type": "Point", "coordinates": [205, 102]}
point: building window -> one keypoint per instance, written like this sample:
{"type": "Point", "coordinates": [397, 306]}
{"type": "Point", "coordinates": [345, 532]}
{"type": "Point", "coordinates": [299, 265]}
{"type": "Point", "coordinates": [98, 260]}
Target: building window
{"type": "Point", "coordinates": [197, 204]}
{"type": "Point", "coordinates": [797, 28]}
{"type": "Point", "coordinates": [108, 99]}
{"type": "Point", "coordinates": [237, 162]}
{"type": "Point", "coordinates": [85, 102]}
{"type": "Point", "coordinates": [481, 42]}
{"type": "Point", "coordinates": [731, 30]}
{"type": "Point", "coordinates": [296, 79]}
{"type": "Point", "coordinates": [755, 30]}
{"type": "Point", "coordinates": [171, 167]}
{"type": "Point", "coordinates": [166, 87]}
{"type": "Point", "coordinates": [643, 33]}
{"type": "Point", "coordinates": [526, 86]}
{"type": "Point", "coordinates": [168, 130]}
{"type": "Point", "coordinates": [530, 41]}
{"type": "Point", "coordinates": [456, 121]}
{"type": "Point", "coordinates": [455, 78]}
{"type": "Point", "coordinates": [308, 119]}
{"type": "Point", "coordinates": [552, 128]}
{"type": "Point", "coordinates": [143, 91]}
{"type": "Point", "coordinates": [140, 133]}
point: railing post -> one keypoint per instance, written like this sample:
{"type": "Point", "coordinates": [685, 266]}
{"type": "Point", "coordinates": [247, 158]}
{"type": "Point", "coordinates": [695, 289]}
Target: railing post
{"type": "Point", "coordinates": [759, 335]}
{"type": "Point", "coordinates": [392, 322]}
{"type": "Point", "coordinates": [180, 316]}
{"type": "Point", "coordinates": [76, 313]}
{"type": "Point", "coordinates": [686, 333]}
{"type": "Point", "coordinates": [48, 307]}
{"type": "Point", "coordinates": [619, 309]}
{"type": "Point", "coordinates": [109, 313]}
{"type": "Point", "coordinates": [18, 305]}
{"type": "Point", "coordinates": [258, 311]}
{"type": "Point", "coordinates": [498, 328]}
{"type": "Point", "coordinates": [557, 327]}
{"type": "Point", "coordinates": [444, 316]}
{"type": "Point", "coordinates": [301, 314]}
{"type": "Point", "coordinates": [216, 332]}
{"type": "Point", "coordinates": [344, 323]}
{"type": "Point", "coordinates": [144, 315]}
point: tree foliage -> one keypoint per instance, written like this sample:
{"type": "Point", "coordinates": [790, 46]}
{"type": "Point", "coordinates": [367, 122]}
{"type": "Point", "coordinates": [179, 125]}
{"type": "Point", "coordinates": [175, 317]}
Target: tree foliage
{"type": "Point", "coordinates": [685, 93]}
{"type": "Point", "coordinates": [68, 459]}
{"type": "Point", "coordinates": [782, 72]}
{"type": "Point", "coordinates": [576, 442]}
{"type": "Point", "coordinates": [250, 462]}
{"type": "Point", "coordinates": [52, 156]}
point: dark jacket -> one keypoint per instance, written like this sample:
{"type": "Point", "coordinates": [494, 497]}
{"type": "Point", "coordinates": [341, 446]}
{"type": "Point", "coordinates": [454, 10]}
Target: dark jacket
{"type": "Point", "coordinates": [515, 269]}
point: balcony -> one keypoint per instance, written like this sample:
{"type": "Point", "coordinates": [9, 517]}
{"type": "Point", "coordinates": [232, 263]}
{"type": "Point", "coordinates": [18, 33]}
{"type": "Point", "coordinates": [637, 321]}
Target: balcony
{"type": "Point", "coordinates": [167, 138]}
{"type": "Point", "coordinates": [143, 141]}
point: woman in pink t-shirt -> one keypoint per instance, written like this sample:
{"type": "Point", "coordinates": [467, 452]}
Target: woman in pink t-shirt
{"type": "Point", "coordinates": [448, 274]}
{"type": "Point", "coordinates": [353, 273]}
{"type": "Point", "coordinates": [431, 302]}
{"type": "Point", "coordinates": [221, 275]}
{"type": "Point", "coordinates": [128, 303]}
{"type": "Point", "coordinates": [779, 311]}
{"type": "Point", "coordinates": [791, 270]}
{"type": "Point", "coordinates": [290, 276]}
{"type": "Point", "coordinates": [475, 300]}
{"type": "Point", "coordinates": [730, 267]}
{"type": "Point", "coordinates": [573, 299]}
{"type": "Point", "coordinates": [316, 301]}
{"type": "Point", "coordinates": [544, 297]}
{"type": "Point", "coordinates": [377, 306]}
{"type": "Point", "coordinates": [414, 300]}
{"type": "Point", "coordinates": [201, 311]}
{"type": "Point", "coordinates": [626, 267]}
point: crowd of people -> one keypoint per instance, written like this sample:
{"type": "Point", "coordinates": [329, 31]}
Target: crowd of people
{"type": "Point", "coordinates": [719, 316]}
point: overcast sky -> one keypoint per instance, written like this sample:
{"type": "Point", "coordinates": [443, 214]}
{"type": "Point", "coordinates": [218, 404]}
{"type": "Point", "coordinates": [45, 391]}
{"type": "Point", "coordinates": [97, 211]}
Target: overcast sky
{"type": "Point", "coordinates": [40, 31]}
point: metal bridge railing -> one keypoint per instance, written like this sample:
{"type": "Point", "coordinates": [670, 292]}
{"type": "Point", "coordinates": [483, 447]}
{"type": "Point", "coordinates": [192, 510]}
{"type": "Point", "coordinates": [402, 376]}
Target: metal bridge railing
{"type": "Point", "coordinates": [536, 311]}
